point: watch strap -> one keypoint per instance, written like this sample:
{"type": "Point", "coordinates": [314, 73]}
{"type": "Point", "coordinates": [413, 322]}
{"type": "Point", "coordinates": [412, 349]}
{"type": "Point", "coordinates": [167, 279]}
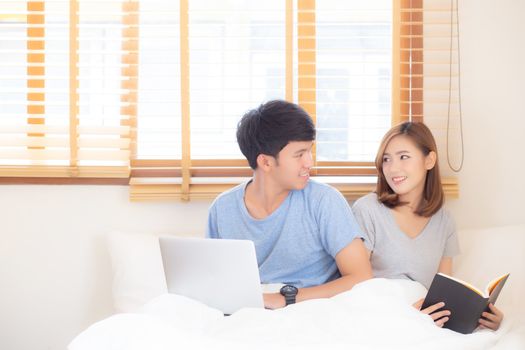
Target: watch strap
{"type": "Point", "coordinates": [290, 299]}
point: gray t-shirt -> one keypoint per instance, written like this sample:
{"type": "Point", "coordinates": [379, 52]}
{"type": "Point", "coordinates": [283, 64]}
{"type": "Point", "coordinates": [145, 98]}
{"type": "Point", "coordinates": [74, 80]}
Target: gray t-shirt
{"type": "Point", "coordinates": [396, 255]}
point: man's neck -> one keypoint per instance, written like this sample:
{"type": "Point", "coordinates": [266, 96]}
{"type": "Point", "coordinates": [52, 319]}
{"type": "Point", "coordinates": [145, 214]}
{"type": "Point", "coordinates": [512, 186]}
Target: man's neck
{"type": "Point", "coordinates": [263, 196]}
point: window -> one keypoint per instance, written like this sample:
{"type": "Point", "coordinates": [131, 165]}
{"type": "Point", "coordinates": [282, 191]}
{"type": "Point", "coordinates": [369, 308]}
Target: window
{"type": "Point", "coordinates": [354, 74]}
{"type": "Point", "coordinates": [151, 91]}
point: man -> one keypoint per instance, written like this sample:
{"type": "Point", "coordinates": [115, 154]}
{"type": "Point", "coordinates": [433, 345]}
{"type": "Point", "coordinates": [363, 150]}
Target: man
{"type": "Point", "coordinates": [304, 232]}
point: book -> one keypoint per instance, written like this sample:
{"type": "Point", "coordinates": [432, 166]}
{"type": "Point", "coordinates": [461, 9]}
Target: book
{"type": "Point", "coordinates": [465, 302]}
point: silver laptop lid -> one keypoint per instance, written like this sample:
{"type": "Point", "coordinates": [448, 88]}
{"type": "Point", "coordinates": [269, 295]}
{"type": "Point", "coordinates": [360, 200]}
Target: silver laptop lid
{"type": "Point", "coordinates": [221, 273]}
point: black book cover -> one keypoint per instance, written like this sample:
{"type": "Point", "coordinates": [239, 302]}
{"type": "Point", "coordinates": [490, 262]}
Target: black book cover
{"type": "Point", "coordinates": [465, 302]}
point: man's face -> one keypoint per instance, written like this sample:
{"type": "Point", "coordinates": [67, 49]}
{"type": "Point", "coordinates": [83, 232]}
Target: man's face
{"type": "Point", "coordinates": [291, 169]}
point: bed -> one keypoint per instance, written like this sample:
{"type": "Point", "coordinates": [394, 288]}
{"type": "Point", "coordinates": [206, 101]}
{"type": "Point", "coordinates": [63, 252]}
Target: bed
{"type": "Point", "coordinates": [376, 314]}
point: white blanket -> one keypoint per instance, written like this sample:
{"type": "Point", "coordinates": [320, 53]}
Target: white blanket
{"type": "Point", "coordinates": [376, 314]}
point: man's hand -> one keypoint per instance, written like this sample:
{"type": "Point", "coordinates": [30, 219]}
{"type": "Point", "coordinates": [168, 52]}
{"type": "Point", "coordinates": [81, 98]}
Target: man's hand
{"type": "Point", "coordinates": [491, 320]}
{"type": "Point", "coordinates": [439, 317]}
{"type": "Point", "coordinates": [274, 300]}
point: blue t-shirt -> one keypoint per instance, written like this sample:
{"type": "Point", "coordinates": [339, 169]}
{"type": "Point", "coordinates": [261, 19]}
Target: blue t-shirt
{"type": "Point", "coordinates": [298, 242]}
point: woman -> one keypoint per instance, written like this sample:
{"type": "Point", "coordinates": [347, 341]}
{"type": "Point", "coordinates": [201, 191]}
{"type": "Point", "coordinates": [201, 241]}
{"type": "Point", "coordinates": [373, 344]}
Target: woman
{"type": "Point", "coordinates": [409, 233]}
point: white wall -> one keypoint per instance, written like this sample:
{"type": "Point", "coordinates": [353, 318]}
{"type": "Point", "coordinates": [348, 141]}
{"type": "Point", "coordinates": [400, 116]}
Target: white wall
{"type": "Point", "coordinates": [54, 267]}
{"type": "Point", "coordinates": [492, 38]}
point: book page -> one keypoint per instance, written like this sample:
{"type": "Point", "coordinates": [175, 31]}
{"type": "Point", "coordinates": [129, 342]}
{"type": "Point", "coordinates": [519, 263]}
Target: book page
{"type": "Point", "coordinates": [466, 284]}
{"type": "Point", "coordinates": [492, 284]}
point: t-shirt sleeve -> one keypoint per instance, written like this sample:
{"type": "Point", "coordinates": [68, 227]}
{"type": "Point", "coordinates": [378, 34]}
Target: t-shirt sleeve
{"type": "Point", "coordinates": [212, 229]}
{"type": "Point", "coordinates": [452, 243]}
{"type": "Point", "coordinates": [337, 224]}
{"type": "Point", "coordinates": [364, 219]}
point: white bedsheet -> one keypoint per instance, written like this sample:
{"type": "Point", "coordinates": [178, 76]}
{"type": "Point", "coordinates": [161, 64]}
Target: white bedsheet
{"type": "Point", "coordinates": [376, 314]}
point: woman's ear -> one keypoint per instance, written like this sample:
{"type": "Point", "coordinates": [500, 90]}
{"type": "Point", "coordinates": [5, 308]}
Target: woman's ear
{"type": "Point", "coordinates": [430, 160]}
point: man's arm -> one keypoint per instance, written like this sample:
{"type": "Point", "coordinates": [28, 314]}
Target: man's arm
{"type": "Point", "coordinates": [212, 231]}
{"type": "Point", "coordinates": [353, 264]}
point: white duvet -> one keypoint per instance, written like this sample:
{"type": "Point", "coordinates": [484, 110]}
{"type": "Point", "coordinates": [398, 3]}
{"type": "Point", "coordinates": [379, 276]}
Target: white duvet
{"type": "Point", "coordinates": [376, 314]}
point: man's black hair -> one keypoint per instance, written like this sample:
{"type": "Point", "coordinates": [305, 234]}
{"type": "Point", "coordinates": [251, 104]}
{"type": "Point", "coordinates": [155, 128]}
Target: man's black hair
{"type": "Point", "coordinates": [268, 128]}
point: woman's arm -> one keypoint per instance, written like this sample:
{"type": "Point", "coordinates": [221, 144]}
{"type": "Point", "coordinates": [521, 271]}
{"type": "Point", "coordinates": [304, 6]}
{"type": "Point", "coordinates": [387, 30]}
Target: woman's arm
{"type": "Point", "coordinates": [445, 266]}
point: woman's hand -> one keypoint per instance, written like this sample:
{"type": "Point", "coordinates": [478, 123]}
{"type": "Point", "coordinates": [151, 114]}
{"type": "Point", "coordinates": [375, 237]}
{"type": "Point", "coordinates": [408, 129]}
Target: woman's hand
{"type": "Point", "coordinates": [491, 320]}
{"type": "Point", "coordinates": [439, 317]}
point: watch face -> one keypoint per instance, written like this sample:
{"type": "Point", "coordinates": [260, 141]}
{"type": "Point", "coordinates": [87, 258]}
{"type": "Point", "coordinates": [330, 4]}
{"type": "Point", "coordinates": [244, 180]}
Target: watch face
{"type": "Point", "coordinates": [289, 290]}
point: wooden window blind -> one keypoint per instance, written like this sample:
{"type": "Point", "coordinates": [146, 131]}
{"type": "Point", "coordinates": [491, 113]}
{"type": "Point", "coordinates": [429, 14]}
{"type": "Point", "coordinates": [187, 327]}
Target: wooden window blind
{"type": "Point", "coordinates": [440, 75]}
{"type": "Point", "coordinates": [425, 75]}
{"type": "Point", "coordinates": [66, 104]}
{"type": "Point", "coordinates": [151, 91]}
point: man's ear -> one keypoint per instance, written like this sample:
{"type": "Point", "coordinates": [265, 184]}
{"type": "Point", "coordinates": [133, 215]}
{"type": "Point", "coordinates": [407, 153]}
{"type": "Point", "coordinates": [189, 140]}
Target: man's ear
{"type": "Point", "coordinates": [264, 162]}
{"type": "Point", "coordinates": [430, 160]}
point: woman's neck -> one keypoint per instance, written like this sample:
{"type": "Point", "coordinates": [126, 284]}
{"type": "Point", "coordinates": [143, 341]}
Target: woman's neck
{"type": "Point", "coordinates": [412, 199]}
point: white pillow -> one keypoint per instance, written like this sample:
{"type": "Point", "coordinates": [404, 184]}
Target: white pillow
{"type": "Point", "coordinates": [138, 274]}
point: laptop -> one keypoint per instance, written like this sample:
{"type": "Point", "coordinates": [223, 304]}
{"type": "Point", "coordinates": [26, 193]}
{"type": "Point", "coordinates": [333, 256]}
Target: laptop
{"type": "Point", "coordinates": [221, 273]}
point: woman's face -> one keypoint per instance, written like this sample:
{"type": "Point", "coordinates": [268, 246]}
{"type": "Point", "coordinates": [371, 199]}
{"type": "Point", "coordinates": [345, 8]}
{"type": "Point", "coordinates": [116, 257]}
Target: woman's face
{"type": "Point", "coordinates": [405, 168]}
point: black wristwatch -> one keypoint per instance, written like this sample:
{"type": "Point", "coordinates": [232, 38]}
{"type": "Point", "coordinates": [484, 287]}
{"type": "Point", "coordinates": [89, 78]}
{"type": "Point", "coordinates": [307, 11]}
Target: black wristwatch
{"type": "Point", "coordinates": [289, 292]}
